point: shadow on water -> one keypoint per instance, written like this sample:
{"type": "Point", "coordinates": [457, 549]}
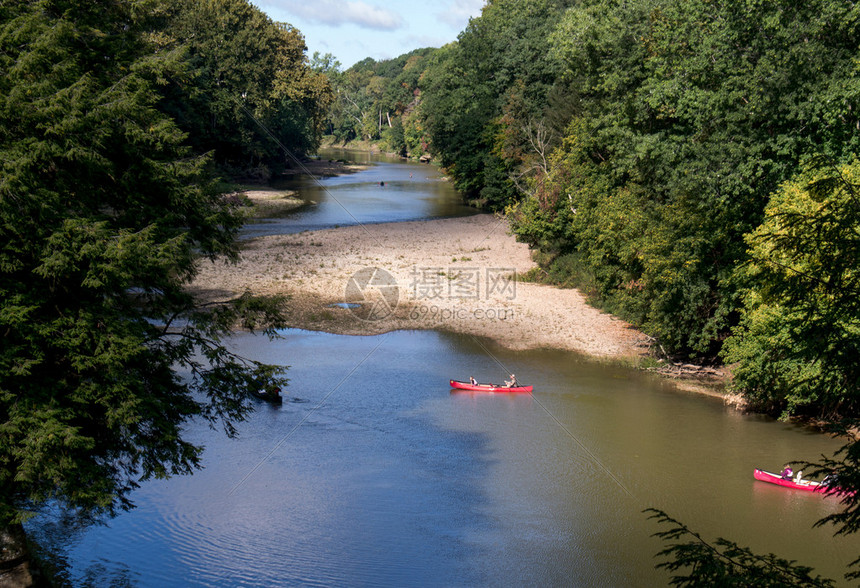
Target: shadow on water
{"type": "Point", "coordinates": [352, 483]}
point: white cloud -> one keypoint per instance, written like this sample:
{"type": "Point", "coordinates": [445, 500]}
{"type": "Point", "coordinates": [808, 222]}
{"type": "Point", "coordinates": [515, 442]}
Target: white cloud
{"type": "Point", "coordinates": [340, 12]}
{"type": "Point", "coordinates": [457, 13]}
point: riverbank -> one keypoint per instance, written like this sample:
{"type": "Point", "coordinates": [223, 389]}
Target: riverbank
{"type": "Point", "coordinates": [263, 201]}
{"type": "Point", "coordinates": [455, 274]}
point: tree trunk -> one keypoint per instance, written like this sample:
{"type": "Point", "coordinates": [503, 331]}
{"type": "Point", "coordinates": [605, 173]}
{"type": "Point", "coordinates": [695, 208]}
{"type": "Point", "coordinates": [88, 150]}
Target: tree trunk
{"type": "Point", "coordinates": [16, 569]}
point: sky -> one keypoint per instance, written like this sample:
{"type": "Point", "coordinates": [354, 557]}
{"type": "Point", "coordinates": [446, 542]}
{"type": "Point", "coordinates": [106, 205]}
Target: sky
{"type": "Point", "coordinates": [354, 29]}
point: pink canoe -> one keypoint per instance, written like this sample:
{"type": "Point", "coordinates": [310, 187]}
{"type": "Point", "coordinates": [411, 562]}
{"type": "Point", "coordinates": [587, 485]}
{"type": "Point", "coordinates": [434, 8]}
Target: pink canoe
{"type": "Point", "coordinates": [488, 387]}
{"type": "Point", "coordinates": [808, 485]}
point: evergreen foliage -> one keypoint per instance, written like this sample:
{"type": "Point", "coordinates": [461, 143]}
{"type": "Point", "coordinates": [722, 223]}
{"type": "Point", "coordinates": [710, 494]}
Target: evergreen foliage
{"type": "Point", "coordinates": [105, 210]}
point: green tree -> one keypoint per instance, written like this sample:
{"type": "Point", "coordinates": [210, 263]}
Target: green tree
{"type": "Point", "coordinates": [330, 67]}
{"type": "Point", "coordinates": [325, 63]}
{"type": "Point", "coordinates": [469, 84]}
{"type": "Point", "coordinates": [688, 116]}
{"type": "Point", "coordinates": [104, 214]}
{"type": "Point", "coordinates": [797, 345]}
{"type": "Point", "coordinates": [395, 137]}
{"type": "Point", "coordinates": [245, 73]}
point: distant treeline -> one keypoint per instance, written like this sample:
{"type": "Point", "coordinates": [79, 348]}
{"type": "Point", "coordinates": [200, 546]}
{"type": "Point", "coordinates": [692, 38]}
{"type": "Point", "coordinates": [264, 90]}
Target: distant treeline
{"type": "Point", "coordinates": [377, 101]}
{"type": "Point", "coordinates": [690, 166]}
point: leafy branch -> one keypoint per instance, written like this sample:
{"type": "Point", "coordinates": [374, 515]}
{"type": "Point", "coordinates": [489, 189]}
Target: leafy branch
{"type": "Point", "coordinates": [724, 563]}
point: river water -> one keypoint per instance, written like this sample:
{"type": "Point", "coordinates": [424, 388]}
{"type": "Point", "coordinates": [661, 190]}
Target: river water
{"type": "Point", "coordinates": [375, 473]}
{"type": "Point", "coordinates": [391, 190]}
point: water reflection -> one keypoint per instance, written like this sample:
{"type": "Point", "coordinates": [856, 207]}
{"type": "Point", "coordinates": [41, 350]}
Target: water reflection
{"type": "Point", "coordinates": [389, 191]}
{"type": "Point", "coordinates": [381, 476]}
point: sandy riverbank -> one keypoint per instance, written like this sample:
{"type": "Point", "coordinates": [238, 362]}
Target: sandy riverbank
{"type": "Point", "coordinates": [455, 274]}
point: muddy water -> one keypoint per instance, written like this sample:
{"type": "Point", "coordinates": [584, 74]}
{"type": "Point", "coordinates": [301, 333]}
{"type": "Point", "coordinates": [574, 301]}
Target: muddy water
{"type": "Point", "coordinates": [376, 473]}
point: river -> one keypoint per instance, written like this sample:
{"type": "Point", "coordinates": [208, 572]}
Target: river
{"type": "Point", "coordinates": [375, 473]}
{"type": "Point", "coordinates": [391, 190]}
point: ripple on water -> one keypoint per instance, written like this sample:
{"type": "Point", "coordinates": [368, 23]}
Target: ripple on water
{"type": "Point", "coordinates": [368, 483]}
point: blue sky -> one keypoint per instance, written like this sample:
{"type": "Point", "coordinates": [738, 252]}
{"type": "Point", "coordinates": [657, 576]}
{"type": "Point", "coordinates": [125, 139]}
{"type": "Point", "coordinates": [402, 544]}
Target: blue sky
{"type": "Point", "coordinates": [354, 29]}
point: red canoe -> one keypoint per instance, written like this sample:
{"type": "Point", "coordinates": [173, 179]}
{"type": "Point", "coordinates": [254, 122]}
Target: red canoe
{"type": "Point", "coordinates": [809, 485]}
{"type": "Point", "coordinates": [488, 387]}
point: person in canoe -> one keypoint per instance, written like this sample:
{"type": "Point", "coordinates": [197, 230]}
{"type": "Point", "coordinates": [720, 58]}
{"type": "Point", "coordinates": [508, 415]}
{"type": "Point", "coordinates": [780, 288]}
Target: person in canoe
{"type": "Point", "coordinates": [473, 381]}
{"type": "Point", "coordinates": [512, 383]}
{"type": "Point", "coordinates": [786, 473]}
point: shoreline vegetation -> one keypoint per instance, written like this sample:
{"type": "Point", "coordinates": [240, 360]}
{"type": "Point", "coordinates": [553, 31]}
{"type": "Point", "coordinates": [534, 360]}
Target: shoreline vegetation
{"type": "Point", "coordinates": [429, 267]}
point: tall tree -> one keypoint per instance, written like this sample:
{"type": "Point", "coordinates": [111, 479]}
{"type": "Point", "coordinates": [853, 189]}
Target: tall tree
{"type": "Point", "coordinates": [250, 91]}
{"type": "Point", "coordinates": [797, 345]}
{"type": "Point", "coordinates": [466, 90]}
{"type": "Point", "coordinates": [104, 213]}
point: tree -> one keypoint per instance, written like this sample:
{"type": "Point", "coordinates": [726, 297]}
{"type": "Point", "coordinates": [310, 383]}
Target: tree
{"type": "Point", "coordinates": [395, 137]}
{"type": "Point", "coordinates": [104, 214]}
{"type": "Point", "coordinates": [325, 63]}
{"type": "Point", "coordinates": [245, 72]}
{"type": "Point", "coordinates": [468, 85]}
{"type": "Point", "coordinates": [687, 117]}
{"type": "Point", "coordinates": [798, 341]}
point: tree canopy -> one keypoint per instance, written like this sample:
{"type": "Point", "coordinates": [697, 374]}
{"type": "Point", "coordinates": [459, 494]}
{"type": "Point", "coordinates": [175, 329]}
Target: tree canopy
{"type": "Point", "coordinates": [107, 204]}
{"type": "Point", "coordinates": [689, 118]}
{"type": "Point", "coordinates": [243, 73]}
{"type": "Point", "coordinates": [799, 338]}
